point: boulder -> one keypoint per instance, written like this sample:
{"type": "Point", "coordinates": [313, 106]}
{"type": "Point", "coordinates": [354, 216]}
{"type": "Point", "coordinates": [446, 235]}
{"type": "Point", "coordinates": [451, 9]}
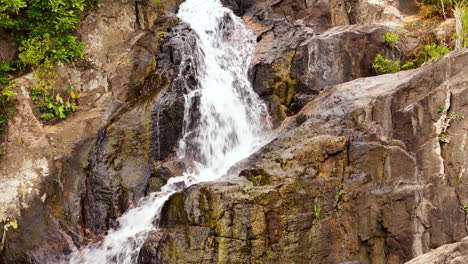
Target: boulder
{"type": "Point", "coordinates": [456, 253]}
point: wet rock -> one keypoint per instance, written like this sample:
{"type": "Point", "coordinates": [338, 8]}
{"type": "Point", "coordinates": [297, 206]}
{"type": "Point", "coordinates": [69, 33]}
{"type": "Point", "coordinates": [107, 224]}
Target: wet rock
{"type": "Point", "coordinates": [123, 164]}
{"type": "Point", "coordinates": [163, 171]}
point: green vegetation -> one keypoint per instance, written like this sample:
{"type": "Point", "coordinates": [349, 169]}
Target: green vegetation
{"type": "Point", "coordinates": [382, 65]}
{"type": "Point", "coordinates": [425, 54]}
{"type": "Point", "coordinates": [430, 53]}
{"type": "Point", "coordinates": [317, 209]}
{"type": "Point", "coordinates": [43, 32]}
{"type": "Point", "coordinates": [43, 29]}
{"type": "Point", "coordinates": [443, 8]}
{"type": "Point", "coordinates": [442, 110]}
{"type": "Point", "coordinates": [6, 95]}
{"type": "Point", "coordinates": [391, 39]}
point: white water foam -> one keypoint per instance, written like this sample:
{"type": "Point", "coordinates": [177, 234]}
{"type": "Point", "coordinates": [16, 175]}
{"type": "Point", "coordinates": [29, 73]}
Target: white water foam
{"type": "Point", "coordinates": [232, 123]}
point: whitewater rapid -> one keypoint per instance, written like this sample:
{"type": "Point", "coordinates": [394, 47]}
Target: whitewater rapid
{"type": "Point", "coordinates": [232, 123]}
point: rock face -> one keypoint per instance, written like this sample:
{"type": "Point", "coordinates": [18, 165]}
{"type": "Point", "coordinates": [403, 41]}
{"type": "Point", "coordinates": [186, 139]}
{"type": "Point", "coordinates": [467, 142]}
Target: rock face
{"type": "Point", "coordinates": [456, 253]}
{"type": "Point", "coordinates": [62, 183]}
{"type": "Point", "coordinates": [360, 170]}
{"type": "Point", "coordinates": [301, 50]}
{"type": "Point", "coordinates": [346, 12]}
{"type": "Point", "coordinates": [360, 176]}
{"type": "Point", "coordinates": [128, 150]}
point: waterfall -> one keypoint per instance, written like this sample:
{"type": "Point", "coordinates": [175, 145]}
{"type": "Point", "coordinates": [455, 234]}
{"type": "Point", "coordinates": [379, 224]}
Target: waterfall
{"type": "Point", "coordinates": [231, 124]}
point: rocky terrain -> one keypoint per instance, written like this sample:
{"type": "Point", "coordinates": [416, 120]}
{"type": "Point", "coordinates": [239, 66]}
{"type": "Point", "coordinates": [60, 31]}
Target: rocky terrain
{"type": "Point", "coordinates": [356, 171]}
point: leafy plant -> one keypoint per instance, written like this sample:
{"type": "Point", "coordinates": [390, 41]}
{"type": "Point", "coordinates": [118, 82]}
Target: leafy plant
{"type": "Point", "coordinates": [442, 110]}
{"type": "Point", "coordinates": [391, 39]}
{"type": "Point", "coordinates": [317, 209]}
{"type": "Point", "coordinates": [382, 65]}
{"type": "Point", "coordinates": [6, 95]}
{"type": "Point", "coordinates": [431, 53]}
{"type": "Point", "coordinates": [408, 66]}
{"type": "Point", "coordinates": [443, 138]}
{"type": "Point", "coordinates": [43, 28]}
{"type": "Point", "coordinates": [55, 107]}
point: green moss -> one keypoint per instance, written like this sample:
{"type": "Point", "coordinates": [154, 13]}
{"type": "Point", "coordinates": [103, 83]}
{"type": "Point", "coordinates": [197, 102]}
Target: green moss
{"type": "Point", "coordinates": [258, 177]}
{"type": "Point", "coordinates": [279, 109]}
{"type": "Point", "coordinates": [284, 87]}
{"type": "Point", "coordinates": [222, 248]}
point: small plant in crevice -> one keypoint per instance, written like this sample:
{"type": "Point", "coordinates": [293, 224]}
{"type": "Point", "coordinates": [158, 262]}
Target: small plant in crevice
{"type": "Point", "coordinates": [443, 137]}
{"type": "Point", "coordinates": [54, 106]}
{"type": "Point", "coordinates": [465, 208]}
{"type": "Point", "coordinates": [51, 105]}
{"type": "Point", "coordinates": [391, 39]}
{"type": "Point", "coordinates": [382, 65]}
{"type": "Point", "coordinates": [317, 210]}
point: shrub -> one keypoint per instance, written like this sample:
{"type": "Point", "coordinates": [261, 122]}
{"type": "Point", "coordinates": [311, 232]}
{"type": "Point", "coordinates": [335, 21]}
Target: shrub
{"type": "Point", "coordinates": [52, 106]}
{"type": "Point", "coordinates": [382, 65]}
{"type": "Point", "coordinates": [391, 39]}
{"type": "Point", "coordinates": [408, 66]}
{"type": "Point", "coordinates": [446, 122]}
{"type": "Point", "coordinates": [44, 32]}
{"type": "Point", "coordinates": [430, 53]}
{"type": "Point", "coordinates": [43, 28]}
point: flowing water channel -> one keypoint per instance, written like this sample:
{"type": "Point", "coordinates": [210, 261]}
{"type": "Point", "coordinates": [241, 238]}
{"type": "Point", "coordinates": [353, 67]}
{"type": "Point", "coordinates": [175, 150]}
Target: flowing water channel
{"type": "Point", "coordinates": [232, 123]}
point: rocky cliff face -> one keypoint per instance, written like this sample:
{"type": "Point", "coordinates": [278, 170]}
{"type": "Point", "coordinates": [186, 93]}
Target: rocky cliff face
{"type": "Point", "coordinates": [357, 172]}
{"type": "Point", "coordinates": [358, 175]}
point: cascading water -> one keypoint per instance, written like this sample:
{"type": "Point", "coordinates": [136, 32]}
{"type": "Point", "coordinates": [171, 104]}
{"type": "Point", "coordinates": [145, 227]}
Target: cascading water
{"type": "Point", "coordinates": [231, 124]}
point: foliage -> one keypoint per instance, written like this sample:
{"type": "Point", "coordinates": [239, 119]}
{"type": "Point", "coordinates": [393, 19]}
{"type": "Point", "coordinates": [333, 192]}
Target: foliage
{"type": "Point", "coordinates": [45, 76]}
{"type": "Point", "coordinates": [54, 106]}
{"type": "Point", "coordinates": [43, 28]}
{"type": "Point", "coordinates": [408, 66]}
{"type": "Point", "coordinates": [158, 2]}
{"type": "Point", "coordinates": [448, 118]}
{"type": "Point", "coordinates": [43, 31]}
{"type": "Point", "coordinates": [6, 95]}
{"type": "Point", "coordinates": [442, 137]}
{"type": "Point", "coordinates": [382, 65]}
{"type": "Point", "coordinates": [51, 106]}
{"type": "Point", "coordinates": [317, 209]}
{"type": "Point", "coordinates": [391, 39]}
{"type": "Point", "coordinates": [430, 53]}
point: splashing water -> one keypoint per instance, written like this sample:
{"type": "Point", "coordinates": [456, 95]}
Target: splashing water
{"type": "Point", "coordinates": [232, 123]}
